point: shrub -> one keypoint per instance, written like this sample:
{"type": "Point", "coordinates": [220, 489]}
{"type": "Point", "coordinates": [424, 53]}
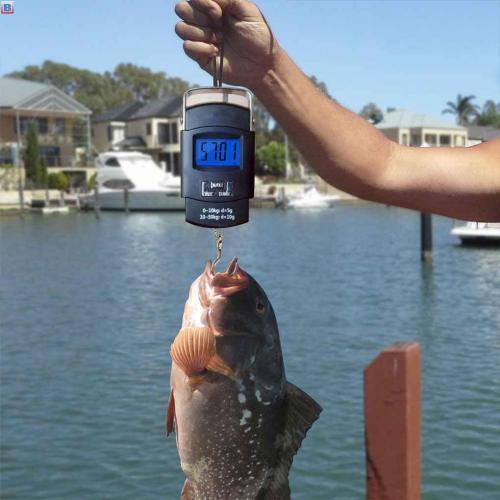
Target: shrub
{"type": "Point", "coordinates": [58, 181]}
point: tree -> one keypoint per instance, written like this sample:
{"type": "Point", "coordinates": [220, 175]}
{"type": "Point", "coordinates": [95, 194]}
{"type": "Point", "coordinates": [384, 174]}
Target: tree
{"type": "Point", "coordinates": [102, 91]}
{"type": "Point", "coordinates": [490, 115]}
{"type": "Point", "coordinates": [35, 170]}
{"type": "Point", "coordinates": [271, 159]}
{"type": "Point", "coordinates": [58, 180]}
{"type": "Point", "coordinates": [372, 113]}
{"type": "Point", "coordinates": [462, 108]}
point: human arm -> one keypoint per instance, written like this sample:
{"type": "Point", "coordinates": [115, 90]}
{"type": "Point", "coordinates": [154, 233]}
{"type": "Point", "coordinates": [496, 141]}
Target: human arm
{"type": "Point", "coordinates": [342, 147]}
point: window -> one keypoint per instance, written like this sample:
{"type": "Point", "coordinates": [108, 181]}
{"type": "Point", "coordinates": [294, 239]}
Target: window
{"type": "Point", "coordinates": [175, 137]}
{"type": "Point", "coordinates": [41, 124]}
{"type": "Point", "coordinates": [163, 133]}
{"type": "Point", "coordinates": [148, 128]}
{"type": "Point", "coordinates": [112, 162]}
{"type": "Point", "coordinates": [444, 140]}
{"type": "Point", "coordinates": [118, 184]}
{"type": "Point", "coordinates": [51, 155]}
{"type": "Point", "coordinates": [59, 126]}
{"type": "Point", "coordinates": [110, 133]}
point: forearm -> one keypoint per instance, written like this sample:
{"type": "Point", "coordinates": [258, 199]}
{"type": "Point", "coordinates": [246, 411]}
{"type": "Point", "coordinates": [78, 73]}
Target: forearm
{"type": "Point", "coordinates": [341, 146]}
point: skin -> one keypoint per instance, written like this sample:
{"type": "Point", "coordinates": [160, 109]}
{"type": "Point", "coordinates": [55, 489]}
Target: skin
{"type": "Point", "coordinates": [228, 426]}
{"type": "Point", "coordinates": [343, 148]}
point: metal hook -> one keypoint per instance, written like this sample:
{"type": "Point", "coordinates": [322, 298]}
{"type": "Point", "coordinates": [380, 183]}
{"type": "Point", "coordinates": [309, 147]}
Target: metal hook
{"type": "Point", "coordinates": [219, 235]}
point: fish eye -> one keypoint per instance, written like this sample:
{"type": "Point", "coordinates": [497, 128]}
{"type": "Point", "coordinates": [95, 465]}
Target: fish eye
{"type": "Point", "coordinates": [261, 307]}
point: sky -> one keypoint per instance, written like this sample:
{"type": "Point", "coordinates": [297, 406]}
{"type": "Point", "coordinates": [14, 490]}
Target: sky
{"type": "Point", "coordinates": [415, 55]}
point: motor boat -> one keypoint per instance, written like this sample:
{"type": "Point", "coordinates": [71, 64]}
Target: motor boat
{"type": "Point", "coordinates": [478, 233]}
{"type": "Point", "coordinates": [310, 198]}
{"type": "Point", "coordinates": [133, 181]}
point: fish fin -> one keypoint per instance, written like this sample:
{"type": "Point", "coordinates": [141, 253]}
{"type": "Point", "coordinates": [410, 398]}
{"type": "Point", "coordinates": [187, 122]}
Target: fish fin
{"type": "Point", "coordinates": [170, 418]}
{"type": "Point", "coordinates": [192, 349]}
{"type": "Point", "coordinates": [301, 411]}
{"type": "Point", "coordinates": [187, 492]}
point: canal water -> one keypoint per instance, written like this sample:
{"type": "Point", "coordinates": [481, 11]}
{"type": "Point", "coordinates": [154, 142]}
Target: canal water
{"type": "Point", "coordinates": [88, 310]}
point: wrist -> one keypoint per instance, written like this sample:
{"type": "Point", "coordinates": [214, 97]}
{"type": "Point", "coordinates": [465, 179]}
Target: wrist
{"type": "Point", "coordinates": [271, 77]}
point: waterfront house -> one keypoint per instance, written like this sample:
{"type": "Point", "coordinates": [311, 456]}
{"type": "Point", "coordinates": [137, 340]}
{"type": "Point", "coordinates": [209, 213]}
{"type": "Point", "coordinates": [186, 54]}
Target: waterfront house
{"type": "Point", "coordinates": [416, 129]}
{"type": "Point", "coordinates": [151, 127]}
{"type": "Point", "coordinates": [63, 126]}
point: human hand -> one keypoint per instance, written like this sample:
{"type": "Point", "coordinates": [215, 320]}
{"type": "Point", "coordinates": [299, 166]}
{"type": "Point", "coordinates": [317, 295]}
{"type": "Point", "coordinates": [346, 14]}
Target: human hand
{"type": "Point", "coordinates": [250, 49]}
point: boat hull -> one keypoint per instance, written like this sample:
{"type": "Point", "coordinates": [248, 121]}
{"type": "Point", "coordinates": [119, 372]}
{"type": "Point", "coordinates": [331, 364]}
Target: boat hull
{"type": "Point", "coordinates": [137, 201]}
{"type": "Point", "coordinates": [473, 235]}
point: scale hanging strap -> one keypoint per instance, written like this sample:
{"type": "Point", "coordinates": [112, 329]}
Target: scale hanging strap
{"type": "Point", "coordinates": [218, 72]}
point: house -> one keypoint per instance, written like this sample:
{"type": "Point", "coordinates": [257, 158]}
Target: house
{"type": "Point", "coordinates": [151, 127]}
{"type": "Point", "coordinates": [479, 134]}
{"type": "Point", "coordinates": [63, 126]}
{"type": "Point", "coordinates": [414, 129]}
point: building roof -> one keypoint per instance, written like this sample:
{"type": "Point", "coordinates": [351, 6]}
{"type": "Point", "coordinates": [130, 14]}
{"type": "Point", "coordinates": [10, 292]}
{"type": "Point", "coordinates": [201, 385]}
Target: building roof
{"type": "Point", "coordinates": [166, 107]}
{"type": "Point", "coordinates": [401, 118]}
{"type": "Point", "coordinates": [160, 108]}
{"type": "Point", "coordinates": [25, 95]}
{"type": "Point", "coordinates": [120, 113]}
{"type": "Point", "coordinates": [477, 132]}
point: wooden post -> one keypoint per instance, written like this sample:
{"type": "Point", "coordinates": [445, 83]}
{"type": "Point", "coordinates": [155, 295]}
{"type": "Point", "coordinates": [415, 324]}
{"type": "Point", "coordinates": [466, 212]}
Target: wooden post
{"type": "Point", "coordinates": [125, 199]}
{"type": "Point", "coordinates": [425, 236]}
{"type": "Point", "coordinates": [96, 200]}
{"type": "Point", "coordinates": [392, 423]}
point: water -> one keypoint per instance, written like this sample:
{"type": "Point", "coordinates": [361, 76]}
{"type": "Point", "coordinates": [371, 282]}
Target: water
{"type": "Point", "coordinates": [88, 310]}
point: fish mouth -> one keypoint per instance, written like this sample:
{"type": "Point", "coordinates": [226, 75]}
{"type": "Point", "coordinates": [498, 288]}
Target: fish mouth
{"type": "Point", "coordinates": [216, 287]}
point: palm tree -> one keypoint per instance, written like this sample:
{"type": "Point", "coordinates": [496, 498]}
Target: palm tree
{"type": "Point", "coordinates": [462, 108]}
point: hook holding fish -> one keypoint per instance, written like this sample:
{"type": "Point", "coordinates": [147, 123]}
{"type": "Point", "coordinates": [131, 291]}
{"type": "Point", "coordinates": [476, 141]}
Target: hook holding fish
{"type": "Point", "coordinates": [219, 237]}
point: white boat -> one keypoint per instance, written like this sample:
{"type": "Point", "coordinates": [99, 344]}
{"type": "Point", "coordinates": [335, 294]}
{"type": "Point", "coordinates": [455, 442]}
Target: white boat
{"type": "Point", "coordinates": [310, 198]}
{"type": "Point", "coordinates": [133, 181]}
{"type": "Point", "coordinates": [478, 233]}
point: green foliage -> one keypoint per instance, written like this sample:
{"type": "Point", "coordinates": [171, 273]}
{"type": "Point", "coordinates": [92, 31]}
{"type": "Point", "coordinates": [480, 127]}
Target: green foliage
{"type": "Point", "coordinates": [100, 92]}
{"type": "Point", "coordinates": [271, 159]}
{"type": "Point", "coordinates": [58, 180]}
{"type": "Point", "coordinates": [372, 113]}
{"type": "Point", "coordinates": [91, 182]}
{"type": "Point", "coordinates": [36, 171]}
{"type": "Point", "coordinates": [489, 116]}
{"type": "Point", "coordinates": [462, 108]}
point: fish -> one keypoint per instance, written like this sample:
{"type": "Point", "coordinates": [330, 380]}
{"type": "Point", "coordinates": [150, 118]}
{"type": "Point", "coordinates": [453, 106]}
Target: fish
{"type": "Point", "coordinates": [238, 422]}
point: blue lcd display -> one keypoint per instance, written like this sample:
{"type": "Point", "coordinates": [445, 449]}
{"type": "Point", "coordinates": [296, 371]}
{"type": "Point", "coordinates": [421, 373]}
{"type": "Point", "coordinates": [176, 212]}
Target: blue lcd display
{"type": "Point", "coordinates": [217, 152]}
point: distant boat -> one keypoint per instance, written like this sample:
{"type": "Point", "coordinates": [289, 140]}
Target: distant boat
{"type": "Point", "coordinates": [478, 233]}
{"type": "Point", "coordinates": [133, 180]}
{"type": "Point", "coordinates": [310, 198]}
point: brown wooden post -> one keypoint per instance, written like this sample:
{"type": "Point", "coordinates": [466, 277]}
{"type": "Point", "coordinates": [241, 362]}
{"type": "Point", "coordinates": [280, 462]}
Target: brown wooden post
{"type": "Point", "coordinates": [392, 423]}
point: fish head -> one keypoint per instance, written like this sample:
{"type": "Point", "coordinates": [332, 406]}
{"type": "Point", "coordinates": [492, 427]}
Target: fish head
{"type": "Point", "coordinates": [235, 308]}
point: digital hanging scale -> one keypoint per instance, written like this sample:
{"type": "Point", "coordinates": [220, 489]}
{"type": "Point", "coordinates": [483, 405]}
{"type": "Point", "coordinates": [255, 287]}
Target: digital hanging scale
{"type": "Point", "coordinates": [217, 155]}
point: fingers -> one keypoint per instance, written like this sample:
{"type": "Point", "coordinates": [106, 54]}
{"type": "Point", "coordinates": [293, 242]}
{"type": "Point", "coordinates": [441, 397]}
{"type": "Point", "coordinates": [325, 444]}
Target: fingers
{"type": "Point", "coordinates": [203, 53]}
{"type": "Point", "coordinates": [195, 33]}
{"type": "Point", "coordinates": [200, 12]}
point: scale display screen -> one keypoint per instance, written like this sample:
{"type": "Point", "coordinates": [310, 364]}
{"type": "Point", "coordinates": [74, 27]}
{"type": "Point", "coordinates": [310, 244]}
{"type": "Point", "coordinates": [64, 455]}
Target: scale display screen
{"type": "Point", "coordinates": [217, 152]}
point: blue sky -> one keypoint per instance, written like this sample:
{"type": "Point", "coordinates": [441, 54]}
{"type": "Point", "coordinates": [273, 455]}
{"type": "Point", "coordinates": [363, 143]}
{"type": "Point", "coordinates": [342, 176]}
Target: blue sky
{"type": "Point", "coordinates": [409, 54]}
